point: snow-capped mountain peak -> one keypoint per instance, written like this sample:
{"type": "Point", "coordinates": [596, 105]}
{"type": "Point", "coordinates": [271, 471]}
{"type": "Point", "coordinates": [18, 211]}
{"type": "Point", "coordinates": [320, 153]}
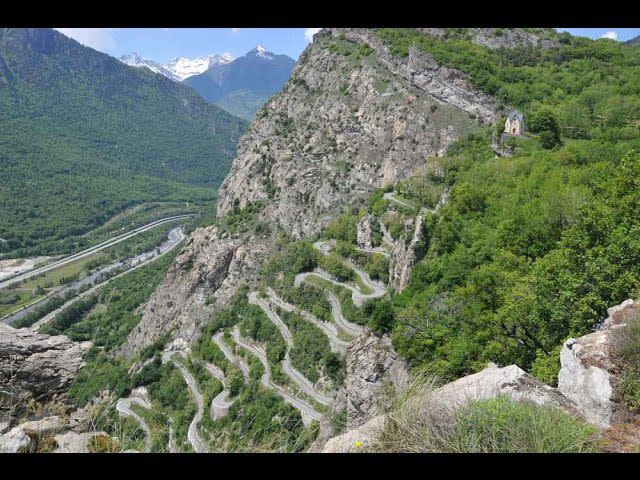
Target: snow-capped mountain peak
{"type": "Point", "coordinates": [186, 67]}
{"type": "Point", "coordinates": [260, 51]}
{"type": "Point", "coordinates": [179, 68]}
{"type": "Point", "coordinates": [136, 60]}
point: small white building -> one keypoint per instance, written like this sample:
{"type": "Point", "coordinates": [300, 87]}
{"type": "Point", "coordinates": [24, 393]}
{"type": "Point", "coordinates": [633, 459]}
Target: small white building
{"type": "Point", "coordinates": [514, 124]}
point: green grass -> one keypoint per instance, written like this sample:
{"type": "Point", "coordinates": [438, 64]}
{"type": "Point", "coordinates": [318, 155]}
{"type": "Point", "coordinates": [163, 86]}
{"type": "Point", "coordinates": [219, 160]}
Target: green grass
{"type": "Point", "coordinates": [418, 422]}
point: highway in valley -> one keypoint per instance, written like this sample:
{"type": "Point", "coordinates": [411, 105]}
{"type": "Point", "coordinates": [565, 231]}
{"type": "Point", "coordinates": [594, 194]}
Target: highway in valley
{"type": "Point", "coordinates": [90, 251]}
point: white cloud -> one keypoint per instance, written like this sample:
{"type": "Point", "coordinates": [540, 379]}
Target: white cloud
{"type": "Point", "coordinates": [310, 32]}
{"type": "Point", "coordinates": [235, 30]}
{"type": "Point", "coordinates": [611, 35]}
{"type": "Point", "coordinates": [98, 38]}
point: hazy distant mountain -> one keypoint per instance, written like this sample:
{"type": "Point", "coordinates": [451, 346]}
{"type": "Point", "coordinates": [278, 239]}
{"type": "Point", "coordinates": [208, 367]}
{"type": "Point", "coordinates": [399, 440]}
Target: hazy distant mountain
{"type": "Point", "coordinates": [180, 68]}
{"type": "Point", "coordinates": [633, 41]}
{"type": "Point", "coordinates": [242, 86]}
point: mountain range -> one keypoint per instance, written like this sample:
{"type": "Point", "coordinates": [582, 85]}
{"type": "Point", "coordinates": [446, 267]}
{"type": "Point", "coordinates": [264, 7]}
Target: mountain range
{"type": "Point", "coordinates": [179, 68]}
{"type": "Point", "coordinates": [239, 85]}
{"type": "Point", "coordinates": [83, 136]}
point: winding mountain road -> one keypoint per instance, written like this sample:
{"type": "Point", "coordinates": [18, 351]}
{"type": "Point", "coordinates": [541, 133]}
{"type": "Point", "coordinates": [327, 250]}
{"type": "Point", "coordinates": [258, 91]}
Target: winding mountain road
{"type": "Point", "coordinates": [123, 406]}
{"type": "Point", "coordinates": [329, 329]}
{"type": "Point", "coordinates": [192, 434]}
{"type": "Point", "coordinates": [220, 403]}
{"type": "Point", "coordinates": [336, 311]}
{"type": "Point", "coordinates": [391, 197]}
{"type": "Point", "coordinates": [357, 297]}
{"type": "Point", "coordinates": [298, 378]}
{"type": "Point", "coordinates": [90, 251]}
{"type": "Point", "coordinates": [379, 250]}
{"type": "Point", "coordinates": [226, 351]}
{"type": "Point", "coordinates": [306, 410]}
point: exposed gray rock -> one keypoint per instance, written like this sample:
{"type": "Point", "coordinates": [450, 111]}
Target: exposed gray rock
{"type": "Point", "coordinates": [588, 368]}
{"type": "Point", "coordinates": [494, 38]}
{"type": "Point", "coordinates": [16, 440]}
{"type": "Point", "coordinates": [448, 85]}
{"type": "Point", "coordinates": [73, 442]}
{"type": "Point", "coordinates": [364, 231]}
{"type": "Point", "coordinates": [35, 365]}
{"type": "Point", "coordinates": [488, 383]}
{"type": "Point", "coordinates": [205, 273]}
{"type": "Point", "coordinates": [341, 128]}
{"type": "Point", "coordinates": [372, 364]}
{"type": "Point", "coordinates": [404, 256]}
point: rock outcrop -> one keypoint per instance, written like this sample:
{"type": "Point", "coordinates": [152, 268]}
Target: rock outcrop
{"type": "Point", "coordinates": [588, 368]}
{"type": "Point", "coordinates": [587, 384]}
{"type": "Point", "coordinates": [495, 38]}
{"type": "Point", "coordinates": [54, 433]}
{"type": "Point", "coordinates": [204, 274]}
{"type": "Point", "coordinates": [372, 366]}
{"type": "Point", "coordinates": [36, 366]}
{"type": "Point", "coordinates": [364, 231]}
{"type": "Point", "coordinates": [488, 383]}
{"type": "Point", "coordinates": [404, 256]}
{"type": "Point", "coordinates": [341, 128]}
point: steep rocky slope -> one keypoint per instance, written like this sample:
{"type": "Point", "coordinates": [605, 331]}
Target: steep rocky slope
{"type": "Point", "coordinates": [351, 118]}
{"type": "Point", "coordinates": [35, 366]}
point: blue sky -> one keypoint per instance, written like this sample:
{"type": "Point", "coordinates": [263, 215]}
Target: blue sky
{"type": "Point", "coordinates": [621, 34]}
{"type": "Point", "coordinates": [163, 44]}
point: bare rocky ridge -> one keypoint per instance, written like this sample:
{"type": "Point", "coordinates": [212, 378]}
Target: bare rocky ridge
{"type": "Point", "coordinates": [498, 37]}
{"type": "Point", "coordinates": [36, 366]}
{"type": "Point", "coordinates": [339, 128]}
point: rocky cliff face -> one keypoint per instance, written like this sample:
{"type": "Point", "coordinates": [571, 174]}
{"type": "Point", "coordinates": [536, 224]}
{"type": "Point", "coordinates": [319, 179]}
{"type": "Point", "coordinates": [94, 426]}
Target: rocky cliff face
{"type": "Point", "coordinates": [346, 124]}
{"type": "Point", "coordinates": [404, 255]}
{"type": "Point", "coordinates": [372, 366]}
{"type": "Point", "coordinates": [498, 37]}
{"type": "Point", "coordinates": [342, 125]}
{"type": "Point", "coordinates": [589, 369]}
{"type": "Point", "coordinates": [35, 366]}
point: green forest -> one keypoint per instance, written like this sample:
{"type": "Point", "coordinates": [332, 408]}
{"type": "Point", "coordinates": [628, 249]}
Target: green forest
{"type": "Point", "coordinates": [530, 249]}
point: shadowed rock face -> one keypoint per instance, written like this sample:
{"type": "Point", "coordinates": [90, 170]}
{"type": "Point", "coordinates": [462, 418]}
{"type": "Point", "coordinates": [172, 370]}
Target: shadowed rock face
{"type": "Point", "coordinates": [34, 365]}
